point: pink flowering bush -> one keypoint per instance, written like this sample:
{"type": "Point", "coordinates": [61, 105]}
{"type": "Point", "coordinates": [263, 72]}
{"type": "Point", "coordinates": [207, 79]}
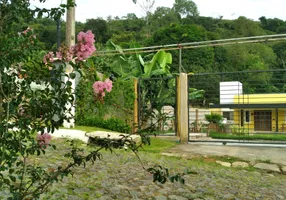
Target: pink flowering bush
{"type": "Point", "coordinates": [44, 140]}
{"type": "Point", "coordinates": [80, 51]}
{"type": "Point", "coordinates": [100, 87]}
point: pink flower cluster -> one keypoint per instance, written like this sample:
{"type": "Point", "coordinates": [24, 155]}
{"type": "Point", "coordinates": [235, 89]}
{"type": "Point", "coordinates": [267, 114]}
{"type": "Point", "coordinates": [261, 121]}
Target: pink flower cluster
{"type": "Point", "coordinates": [49, 57]}
{"type": "Point", "coordinates": [64, 54]}
{"type": "Point", "coordinates": [99, 88]}
{"type": "Point", "coordinates": [44, 139]}
{"type": "Point", "coordinates": [27, 30]}
{"type": "Point", "coordinates": [28, 34]}
{"type": "Point", "coordinates": [80, 51]}
{"type": "Point", "coordinates": [85, 46]}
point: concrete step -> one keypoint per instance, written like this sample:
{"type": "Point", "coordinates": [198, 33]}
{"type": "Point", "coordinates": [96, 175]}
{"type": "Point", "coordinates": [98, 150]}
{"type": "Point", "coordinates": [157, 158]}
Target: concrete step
{"type": "Point", "coordinates": [197, 135]}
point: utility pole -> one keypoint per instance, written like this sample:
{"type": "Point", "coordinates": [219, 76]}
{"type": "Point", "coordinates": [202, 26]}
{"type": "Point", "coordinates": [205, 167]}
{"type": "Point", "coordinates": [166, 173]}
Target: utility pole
{"type": "Point", "coordinates": [180, 60]}
{"type": "Point", "coordinates": [70, 26]}
{"type": "Point", "coordinates": [70, 41]}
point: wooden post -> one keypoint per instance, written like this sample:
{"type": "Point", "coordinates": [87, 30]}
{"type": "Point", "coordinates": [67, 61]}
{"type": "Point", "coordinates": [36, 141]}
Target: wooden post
{"type": "Point", "coordinates": [183, 120]}
{"type": "Point", "coordinates": [135, 111]}
{"type": "Point", "coordinates": [197, 120]}
{"type": "Point", "coordinates": [70, 26]}
{"type": "Point", "coordinates": [178, 117]}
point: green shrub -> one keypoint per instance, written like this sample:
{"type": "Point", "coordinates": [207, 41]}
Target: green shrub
{"type": "Point", "coordinates": [214, 118]}
{"type": "Point", "coordinates": [256, 136]}
{"type": "Point", "coordinates": [236, 130]}
{"type": "Point", "coordinates": [112, 123]}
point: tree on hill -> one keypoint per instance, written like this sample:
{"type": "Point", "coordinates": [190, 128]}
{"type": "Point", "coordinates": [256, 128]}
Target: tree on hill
{"type": "Point", "coordinates": [99, 27]}
{"type": "Point", "coordinates": [186, 8]}
{"type": "Point", "coordinates": [162, 17]}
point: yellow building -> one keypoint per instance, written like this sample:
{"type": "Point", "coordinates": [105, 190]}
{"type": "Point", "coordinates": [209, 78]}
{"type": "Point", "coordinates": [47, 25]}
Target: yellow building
{"type": "Point", "coordinates": [255, 112]}
{"type": "Point", "coordinates": [261, 112]}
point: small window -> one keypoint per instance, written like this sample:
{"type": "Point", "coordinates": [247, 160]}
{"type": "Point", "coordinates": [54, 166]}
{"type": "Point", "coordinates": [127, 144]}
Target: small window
{"type": "Point", "coordinates": [228, 115]}
{"type": "Point", "coordinates": [241, 118]}
{"type": "Point", "coordinates": [247, 116]}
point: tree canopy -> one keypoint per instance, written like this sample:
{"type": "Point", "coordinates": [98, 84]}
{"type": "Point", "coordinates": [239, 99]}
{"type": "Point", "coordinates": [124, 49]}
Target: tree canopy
{"type": "Point", "coordinates": [182, 24]}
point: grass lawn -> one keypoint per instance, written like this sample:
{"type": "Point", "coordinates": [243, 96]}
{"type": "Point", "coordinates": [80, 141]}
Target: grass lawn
{"type": "Point", "coordinates": [256, 136]}
{"type": "Point", "coordinates": [159, 145]}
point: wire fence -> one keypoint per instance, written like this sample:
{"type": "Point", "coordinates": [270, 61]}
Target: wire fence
{"type": "Point", "coordinates": [248, 102]}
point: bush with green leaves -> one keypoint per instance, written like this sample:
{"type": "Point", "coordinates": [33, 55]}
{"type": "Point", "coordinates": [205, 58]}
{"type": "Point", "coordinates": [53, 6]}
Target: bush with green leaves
{"type": "Point", "coordinates": [112, 123]}
{"type": "Point", "coordinates": [240, 131]}
{"type": "Point", "coordinates": [214, 118]}
{"type": "Point", "coordinates": [117, 105]}
{"type": "Point", "coordinates": [33, 100]}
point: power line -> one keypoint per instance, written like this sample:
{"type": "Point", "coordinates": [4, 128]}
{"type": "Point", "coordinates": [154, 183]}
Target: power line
{"type": "Point", "coordinates": [107, 53]}
{"type": "Point", "coordinates": [192, 45]}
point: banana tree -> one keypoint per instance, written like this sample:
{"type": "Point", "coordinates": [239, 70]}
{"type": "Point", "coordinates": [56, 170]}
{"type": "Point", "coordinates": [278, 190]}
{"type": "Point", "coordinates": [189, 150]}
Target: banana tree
{"type": "Point", "coordinates": [195, 94]}
{"type": "Point", "coordinates": [136, 66]}
{"type": "Point", "coordinates": [196, 97]}
{"type": "Point", "coordinates": [157, 66]}
{"type": "Point", "coordinates": [157, 87]}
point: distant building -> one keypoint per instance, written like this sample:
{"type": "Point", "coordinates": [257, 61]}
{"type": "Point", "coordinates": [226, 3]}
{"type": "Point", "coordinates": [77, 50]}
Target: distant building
{"type": "Point", "coordinates": [255, 112]}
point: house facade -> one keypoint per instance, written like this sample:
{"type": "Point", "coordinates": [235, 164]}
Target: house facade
{"type": "Point", "coordinates": [254, 112]}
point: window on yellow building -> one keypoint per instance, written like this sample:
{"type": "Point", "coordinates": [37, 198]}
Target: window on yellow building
{"type": "Point", "coordinates": [241, 117]}
{"type": "Point", "coordinates": [247, 116]}
{"type": "Point", "coordinates": [244, 117]}
{"type": "Point", "coordinates": [228, 115]}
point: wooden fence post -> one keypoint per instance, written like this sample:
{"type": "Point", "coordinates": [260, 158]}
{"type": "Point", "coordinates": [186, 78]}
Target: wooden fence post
{"type": "Point", "coordinates": [183, 108]}
{"type": "Point", "coordinates": [135, 111]}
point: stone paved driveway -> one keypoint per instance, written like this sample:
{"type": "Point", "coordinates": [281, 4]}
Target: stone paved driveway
{"type": "Point", "coordinates": [270, 154]}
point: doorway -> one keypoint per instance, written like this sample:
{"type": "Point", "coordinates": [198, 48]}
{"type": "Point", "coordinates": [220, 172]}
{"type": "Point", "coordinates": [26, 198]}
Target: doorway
{"type": "Point", "coordinates": [263, 120]}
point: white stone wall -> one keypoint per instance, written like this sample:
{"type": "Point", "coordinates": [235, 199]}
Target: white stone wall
{"type": "Point", "coordinates": [170, 122]}
{"type": "Point", "coordinates": [201, 115]}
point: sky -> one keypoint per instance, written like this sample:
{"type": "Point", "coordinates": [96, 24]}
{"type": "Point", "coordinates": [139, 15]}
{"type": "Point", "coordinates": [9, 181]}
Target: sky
{"type": "Point", "coordinates": [229, 9]}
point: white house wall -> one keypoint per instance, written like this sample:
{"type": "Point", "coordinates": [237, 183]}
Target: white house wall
{"type": "Point", "coordinates": [228, 90]}
{"type": "Point", "coordinates": [201, 115]}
